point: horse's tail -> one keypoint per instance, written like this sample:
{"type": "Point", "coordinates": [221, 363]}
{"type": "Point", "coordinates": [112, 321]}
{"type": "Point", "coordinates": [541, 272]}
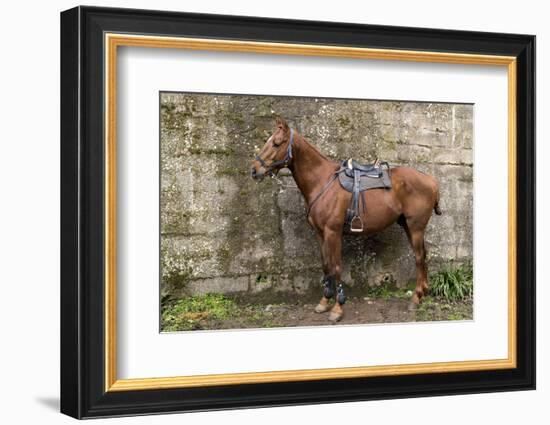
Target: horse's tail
{"type": "Point", "coordinates": [437, 210]}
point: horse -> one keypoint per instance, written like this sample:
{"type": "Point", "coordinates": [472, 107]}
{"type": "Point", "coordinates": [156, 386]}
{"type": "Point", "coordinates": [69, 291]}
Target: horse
{"type": "Point", "coordinates": [410, 201]}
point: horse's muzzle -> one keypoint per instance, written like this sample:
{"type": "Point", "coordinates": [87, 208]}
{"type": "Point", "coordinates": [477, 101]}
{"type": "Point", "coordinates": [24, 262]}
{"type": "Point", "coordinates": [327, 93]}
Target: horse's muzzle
{"type": "Point", "coordinates": [256, 175]}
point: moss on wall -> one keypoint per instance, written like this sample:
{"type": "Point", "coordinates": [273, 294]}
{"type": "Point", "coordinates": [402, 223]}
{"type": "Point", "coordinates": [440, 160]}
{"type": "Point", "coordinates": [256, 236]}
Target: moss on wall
{"type": "Point", "coordinates": [220, 230]}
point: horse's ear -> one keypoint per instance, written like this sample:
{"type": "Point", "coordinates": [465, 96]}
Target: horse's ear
{"type": "Point", "coordinates": [281, 123]}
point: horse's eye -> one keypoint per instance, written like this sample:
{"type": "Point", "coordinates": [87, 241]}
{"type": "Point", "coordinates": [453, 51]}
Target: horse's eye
{"type": "Point", "coordinates": [275, 145]}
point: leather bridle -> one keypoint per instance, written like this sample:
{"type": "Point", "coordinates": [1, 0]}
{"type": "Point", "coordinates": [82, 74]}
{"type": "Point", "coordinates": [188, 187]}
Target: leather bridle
{"type": "Point", "coordinates": [280, 163]}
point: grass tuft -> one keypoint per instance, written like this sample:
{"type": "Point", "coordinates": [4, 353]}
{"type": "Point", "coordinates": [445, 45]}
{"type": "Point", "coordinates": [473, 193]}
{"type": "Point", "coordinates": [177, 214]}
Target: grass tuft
{"type": "Point", "coordinates": [187, 313]}
{"type": "Point", "coordinates": [453, 284]}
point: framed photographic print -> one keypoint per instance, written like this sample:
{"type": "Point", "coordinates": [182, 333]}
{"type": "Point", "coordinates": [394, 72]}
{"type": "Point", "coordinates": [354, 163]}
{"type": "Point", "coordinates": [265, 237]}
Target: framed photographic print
{"type": "Point", "coordinates": [261, 212]}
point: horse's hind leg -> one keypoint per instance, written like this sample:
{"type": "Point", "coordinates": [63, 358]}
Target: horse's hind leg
{"type": "Point", "coordinates": [415, 235]}
{"type": "Point", "coordinates": [421, 269]}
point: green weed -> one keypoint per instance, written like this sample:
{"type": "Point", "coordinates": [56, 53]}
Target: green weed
{"type": "Point", "coordinates": [187, 313]}
{"type": "Point", "coordinates": [453, 284]}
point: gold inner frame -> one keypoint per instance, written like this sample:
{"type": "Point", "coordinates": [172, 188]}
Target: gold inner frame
{"type": "Point", "coordinates": [113, 41]}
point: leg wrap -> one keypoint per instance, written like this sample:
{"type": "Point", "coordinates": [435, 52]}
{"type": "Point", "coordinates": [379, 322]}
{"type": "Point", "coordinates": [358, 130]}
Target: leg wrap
{"type": "Point", "coordinates": [340, 295]}
{"type": "Point", "coordinates": [328, 286]}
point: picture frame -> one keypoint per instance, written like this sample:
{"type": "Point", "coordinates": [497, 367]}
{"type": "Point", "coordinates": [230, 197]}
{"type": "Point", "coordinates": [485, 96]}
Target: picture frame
{"type": "Point", "coordinates": [90, 39]}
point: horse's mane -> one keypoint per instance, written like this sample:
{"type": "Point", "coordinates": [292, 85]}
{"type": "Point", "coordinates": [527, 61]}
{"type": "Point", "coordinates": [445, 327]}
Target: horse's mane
{"type": "Point", "coordinates": [316, 149]}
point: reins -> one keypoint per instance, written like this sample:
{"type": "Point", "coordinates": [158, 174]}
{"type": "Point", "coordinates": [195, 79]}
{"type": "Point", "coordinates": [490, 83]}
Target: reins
{"type": "Point", "coordinates": [321, 192]}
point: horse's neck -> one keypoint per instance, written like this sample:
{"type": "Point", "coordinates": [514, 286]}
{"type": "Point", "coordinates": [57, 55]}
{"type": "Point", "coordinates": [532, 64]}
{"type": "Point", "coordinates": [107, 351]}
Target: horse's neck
{"type": "Point", "coordinates": [310, 168]}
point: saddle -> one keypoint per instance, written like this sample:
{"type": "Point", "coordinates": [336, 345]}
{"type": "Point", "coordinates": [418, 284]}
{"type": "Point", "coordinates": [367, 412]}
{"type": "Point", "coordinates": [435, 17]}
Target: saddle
{"type": "Point", "coordinates": [357, 178]}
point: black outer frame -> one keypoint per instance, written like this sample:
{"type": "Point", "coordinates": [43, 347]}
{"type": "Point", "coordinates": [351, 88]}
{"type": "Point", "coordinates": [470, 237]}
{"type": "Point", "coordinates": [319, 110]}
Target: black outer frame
{"type": "Point", "coordinates": [82, 217]}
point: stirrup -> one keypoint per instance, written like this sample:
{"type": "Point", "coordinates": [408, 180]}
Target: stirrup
{"type": "Point", "coordinates": [356, 229]}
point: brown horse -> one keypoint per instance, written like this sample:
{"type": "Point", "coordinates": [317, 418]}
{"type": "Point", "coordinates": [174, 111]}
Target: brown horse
{"type": "Point", "coordinates": [410, 202]}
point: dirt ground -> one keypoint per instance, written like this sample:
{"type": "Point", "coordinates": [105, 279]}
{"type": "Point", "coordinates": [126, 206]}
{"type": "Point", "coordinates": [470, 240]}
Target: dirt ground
{"type": "Point", "coordinates": [358, 310]}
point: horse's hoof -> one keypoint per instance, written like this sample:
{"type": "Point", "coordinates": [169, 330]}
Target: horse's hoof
{"type": "Point", "coordinates": [321, 308]}
{"type": "Point", "coordinates": [335, 317]}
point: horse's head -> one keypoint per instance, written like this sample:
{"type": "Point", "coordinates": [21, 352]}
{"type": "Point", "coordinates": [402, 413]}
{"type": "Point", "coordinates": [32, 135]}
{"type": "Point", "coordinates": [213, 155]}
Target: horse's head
{"type": "Point", "coordinates": [276, 153]}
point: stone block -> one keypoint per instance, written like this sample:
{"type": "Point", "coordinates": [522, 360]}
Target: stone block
{"type": "Point", "coordinates": [224, 285]}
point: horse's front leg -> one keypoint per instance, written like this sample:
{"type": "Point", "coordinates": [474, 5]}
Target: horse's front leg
{"type": "Point", "coordinates": [332, 252]}
{"type": "Point", "coordinates": [329, 286]}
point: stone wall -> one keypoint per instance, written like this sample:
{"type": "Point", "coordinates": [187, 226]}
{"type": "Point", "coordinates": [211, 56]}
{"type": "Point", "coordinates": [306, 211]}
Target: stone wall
{"type": "Point", "coordinates": [223, 232]}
